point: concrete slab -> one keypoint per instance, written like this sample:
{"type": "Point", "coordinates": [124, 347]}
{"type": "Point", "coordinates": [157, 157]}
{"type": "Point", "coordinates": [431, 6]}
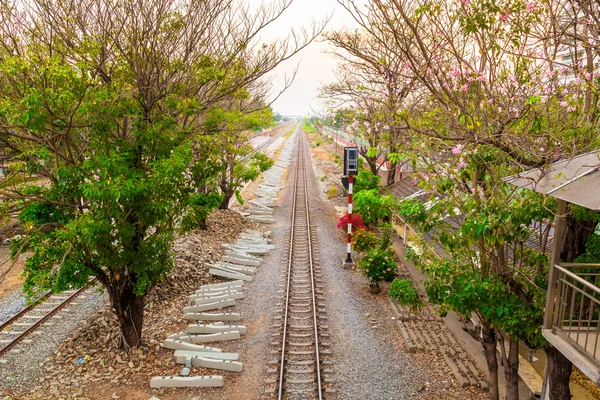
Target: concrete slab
{"type": "Point", "coordinates": [210, 300]}
{"type": "Point", "coordinates": [176, 344]}
{"type": "Point", "coordinates": [186, 381]}
{"type": "Point", "coordinates": [211, 337]}
{"type": "Point", "coordinates": [212, 317]}
{"type": "Point", "coordinates": [242, 261]}
{"type": "Point", "coordinates": [203, 328]}
{"type": "Point", "coordinates": [224, 274]}
{"type": "Point", "coordinates": [225, 365]}
{"type": "Point", "coordinates": [235, 270]}
{"type": "Point", "coordinates": [244, 269]}
{"type": "Point", "coordinates": [209, 306]}
{"type": "Point", "coordinates": [236, 288]}
{"type": "Point", "coordinates": [206, 354]}
{"type": "Point", "coordinates": [224, 284]}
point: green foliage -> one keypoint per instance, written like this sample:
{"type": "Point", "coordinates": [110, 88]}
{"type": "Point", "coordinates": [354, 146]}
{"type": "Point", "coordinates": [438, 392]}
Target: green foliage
{"type": "Point", "coordinates": [406, 294]}
{"type": "Point", "coordinates": [363, 241]}
{"type": "Point", "coordinates": [386, 235]}
{"type": "Point", "coordinates": [309, 128]}
{"type": "Point", "coordinates": [592, 253]}
{"type": "Point", "coordinates": [332, 192]}
{"type": "Point", "coordinates": [373, 206]}
{"type": "Point", "coordinates": [378, 265]}
{"type": "Point", "coordinates": [365, 180]}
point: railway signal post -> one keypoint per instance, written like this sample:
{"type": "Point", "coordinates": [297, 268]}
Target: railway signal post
{"type": "Point", "coordinates": [350, 170]}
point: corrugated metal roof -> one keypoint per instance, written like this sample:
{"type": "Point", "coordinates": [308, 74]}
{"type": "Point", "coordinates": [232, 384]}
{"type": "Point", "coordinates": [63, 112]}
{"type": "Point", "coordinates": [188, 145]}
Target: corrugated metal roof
{"type": "Point", "coordinates": [576, 180]}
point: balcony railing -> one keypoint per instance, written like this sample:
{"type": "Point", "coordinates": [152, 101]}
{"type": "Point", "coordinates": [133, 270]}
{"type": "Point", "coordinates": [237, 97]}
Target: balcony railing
{"type": "Point", "coordinates": [576, 307]}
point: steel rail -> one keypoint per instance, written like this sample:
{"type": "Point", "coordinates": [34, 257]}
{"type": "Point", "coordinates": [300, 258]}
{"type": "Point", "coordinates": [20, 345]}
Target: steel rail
{"type": "Point", "coordinates": [312, 280]}
{"type": "Point", "coordinates": [25, 310]}
{"type": "Point", "coordinates": [287, 289]}
{"type": "Point", "coordinates": [300, 168]}
{"type": "Point", "coordinates": [43, 319]}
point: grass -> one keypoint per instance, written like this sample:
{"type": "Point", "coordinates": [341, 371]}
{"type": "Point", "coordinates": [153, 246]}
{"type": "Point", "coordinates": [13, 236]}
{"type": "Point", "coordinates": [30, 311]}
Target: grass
{"type": "Point", "coordinates": [308, 128]}
{"type": "Point", "coordinates": [332, 192]}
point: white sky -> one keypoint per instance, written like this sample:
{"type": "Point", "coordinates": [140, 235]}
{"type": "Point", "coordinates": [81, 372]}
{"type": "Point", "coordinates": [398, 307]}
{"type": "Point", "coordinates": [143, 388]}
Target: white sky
{"type": "Point", "coordinates": [316, 67]}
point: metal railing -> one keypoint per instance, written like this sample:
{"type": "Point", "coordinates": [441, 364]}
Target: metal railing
{"type": "Point", "coordinates": [576, 311]}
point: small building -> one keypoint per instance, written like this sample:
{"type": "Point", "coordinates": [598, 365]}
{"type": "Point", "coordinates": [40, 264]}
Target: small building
{"type": "Point", "coordinates": [572, 313]}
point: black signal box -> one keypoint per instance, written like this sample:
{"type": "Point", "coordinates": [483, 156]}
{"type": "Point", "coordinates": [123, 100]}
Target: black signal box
{"type": "Point", "coordinates": [350, 161]}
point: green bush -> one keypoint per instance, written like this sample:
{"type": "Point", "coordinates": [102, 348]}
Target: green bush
{"type": "Point", "coordinates": [378, 265]}
{"type": "Point", "coordinates": [406, 294]}
{"type": "Point", "coordinates": [365, 180]}
{"type": "Point", "coordinates": [363, 241]}
{"type": "Point", "coordinates": [386, 235]}
{"type": "Point", "coordinates": [373, 206]}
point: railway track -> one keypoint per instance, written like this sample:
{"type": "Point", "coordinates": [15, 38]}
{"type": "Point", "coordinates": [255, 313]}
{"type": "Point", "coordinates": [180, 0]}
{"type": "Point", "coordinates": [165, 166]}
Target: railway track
{"type": "Point", "coordinates": [32, 317]}
{"type": "Point", "coordinates": [299, 329]}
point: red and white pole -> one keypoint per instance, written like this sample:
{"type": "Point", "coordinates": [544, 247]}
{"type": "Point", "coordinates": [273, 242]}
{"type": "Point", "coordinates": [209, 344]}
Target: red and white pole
{"type": "Point", "coordinates": [349, 248]}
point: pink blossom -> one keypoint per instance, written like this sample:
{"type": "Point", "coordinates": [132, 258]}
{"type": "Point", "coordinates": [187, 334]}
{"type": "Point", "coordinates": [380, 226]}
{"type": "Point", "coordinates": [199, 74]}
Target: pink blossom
{"type": "Point", "coordinates": [455, 73]}
{"type": "Point", "coordinates": [462, 164]}
{"type": "Point", "coordinates": [491, 101]}
{"type": "Point", "coordinates": [588, 76]}
{"type": "Point", "coordinates": [457, 149]}
{"type": "Point", "coordinates": [414, 180]}
{"type": "Point", "coordinates": [96, 177]}
{"type": "Point", "coordinates": [464, 88]}
{"type": "Point", "coordinates": [530, 6]}
{"type": "Point", "coordinates": [571, 108]}
{"type": "Point", "coordinates": [590, 21]}
{"type": "Point", "coordinates": [564, 104]}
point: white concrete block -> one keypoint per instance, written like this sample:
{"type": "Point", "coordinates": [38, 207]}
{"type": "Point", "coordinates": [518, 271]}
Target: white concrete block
{"type": "Point", "coordinates": [176, 344]}
{"type": "Point", "coordinates": [209, 306]}
{"type": "Point", "coordinates": [236, 288]}
{"type": "Point", "coordinates": [210, 300]}
{"type": "Point", "coordinates": [224, 284]}
{"type": "Point", "coordinates": [212, 328]}
{"type": "Point", "coordinates": [211, 337]}
{"type": "Point", "coordinates": [224, 274]}
{"type": "Point", "coordinates": [206, 354]}
{"type": "Point", "coordinates": [212, 317]}
{"type": "Point", "coordinates": [240, 260]}
{"type": "Point", "coordinates": [225, 365]}
{"type": "Point", "coordinates": [244, 269]}
{"type": "Point", "coordinates": [186, 381]}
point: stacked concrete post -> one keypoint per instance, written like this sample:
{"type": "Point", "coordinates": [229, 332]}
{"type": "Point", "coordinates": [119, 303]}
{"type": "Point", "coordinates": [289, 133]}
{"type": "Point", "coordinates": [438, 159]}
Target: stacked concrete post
{"type": "Point", "coordinates": [239, 264]}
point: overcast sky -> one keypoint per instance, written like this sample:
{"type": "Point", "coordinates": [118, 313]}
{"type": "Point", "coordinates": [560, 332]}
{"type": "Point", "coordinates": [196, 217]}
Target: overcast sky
{"type": "Point", "coordinates": [315, 66]}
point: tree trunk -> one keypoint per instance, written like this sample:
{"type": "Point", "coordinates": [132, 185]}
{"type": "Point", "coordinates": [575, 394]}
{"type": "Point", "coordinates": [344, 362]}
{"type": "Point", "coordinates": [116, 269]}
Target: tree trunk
{"type": "Point", "coordinates": [557, 375]}
{"type": "Point", "coordinates": [575, 237]}
{"type": "Point", "coordinates": [225, 202]}
{"type": "Point", "coordinates": [489, 351]}
{"type": "Point", "coordinates": [129, 309]}
{"type": "Point", "coordinates": [511, 369]}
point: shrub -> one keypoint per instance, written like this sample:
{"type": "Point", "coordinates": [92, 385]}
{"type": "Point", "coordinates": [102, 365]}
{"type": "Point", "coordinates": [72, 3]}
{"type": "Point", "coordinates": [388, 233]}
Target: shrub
{"type": "Point", "coordinates": [332, 192]}
{"type": "Point", "coordinates": [365, 180]}
{"type": "Point", "coordinates": [386, 235]}
{"type": "Point", "coordinates": [363, 241]}
{"type": "Point", "coordinates": [373, 206]}
{"type": "Point", "coordinates": [357, 222]}
{"type": "Point", "coordinates": [406, 294]}
{"type": "Point", "coordinates": [378, 265]}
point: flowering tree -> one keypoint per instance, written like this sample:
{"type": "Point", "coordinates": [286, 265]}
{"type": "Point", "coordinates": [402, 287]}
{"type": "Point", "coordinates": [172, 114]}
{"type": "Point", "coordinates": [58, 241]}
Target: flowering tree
{"type": "Point", "coordinates": [489, 102]}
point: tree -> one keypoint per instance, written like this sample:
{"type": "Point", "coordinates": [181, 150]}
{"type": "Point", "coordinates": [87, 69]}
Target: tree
{"type": "Point", "coordinates": [102, 105]}
{"type": "Point", "coordinates": [489, 103]}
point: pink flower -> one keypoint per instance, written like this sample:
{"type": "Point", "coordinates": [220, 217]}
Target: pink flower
{"type": "Point", "coordinates": [491, 101]}
{"type": "Point", "coordinates": [530, 6]}
{"type": "Point", "coordinates": [571, 108]}
{"type": "Point", "coordinates": [564, 104]}
{"type": "Point", "coordinates": [462, 164]}
{"type": "Point", "coordinates": [464, 88]}
{"type": "Point", "coordinates": [96, 177]}
{"type": "Point", "coordinates": [457, 149]}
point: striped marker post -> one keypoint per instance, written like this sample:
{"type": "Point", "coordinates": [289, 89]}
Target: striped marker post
{"type": "Point", "coordinates": [348, 263]}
